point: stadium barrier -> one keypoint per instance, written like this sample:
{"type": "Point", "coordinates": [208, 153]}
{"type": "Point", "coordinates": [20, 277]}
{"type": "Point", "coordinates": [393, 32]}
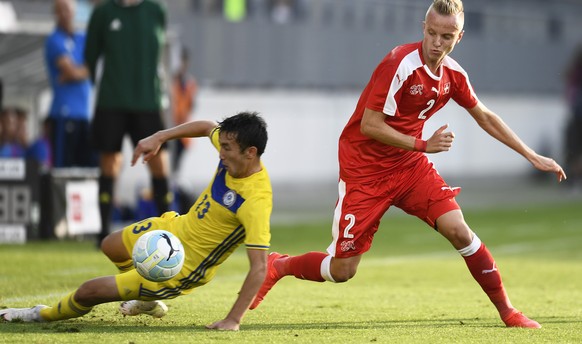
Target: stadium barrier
{"type": "Point", "coordinates": [19, 200]}
{"type": "Point", "coordinates": [69, 203]}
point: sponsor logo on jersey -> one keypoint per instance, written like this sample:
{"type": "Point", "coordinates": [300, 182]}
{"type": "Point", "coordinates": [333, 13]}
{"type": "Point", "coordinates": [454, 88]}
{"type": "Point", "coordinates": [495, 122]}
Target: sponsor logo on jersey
{"type": "Point", "coordinates": [416, 89]}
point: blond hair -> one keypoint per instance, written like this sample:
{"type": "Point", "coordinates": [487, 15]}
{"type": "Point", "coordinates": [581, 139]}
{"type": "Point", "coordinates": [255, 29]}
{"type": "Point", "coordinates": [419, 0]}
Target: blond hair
{"type": "Point", "coordinates": [446, 7]}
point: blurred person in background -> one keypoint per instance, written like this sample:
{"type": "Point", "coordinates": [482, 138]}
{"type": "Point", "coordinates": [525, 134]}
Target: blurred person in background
{"type": "Point", "coordinates": [574, 127]}
{"type": "Point", "coordinates": [12, 143]}
{"type": "Point", "coordinates": [40, 148]}
{"type": "Point", "coordinates": [69, 114]}
{"type": "Point", "coordinates": [184, 92]}
{"type": "Point", "coordinates": [234, 10]}
{"type": "Point", "coordinates": [37, 148]}
{"type": "Point", "coordinates": [383, 163]}
{"type": "Point", "coordinates": [207, 7]}
{"type": "Point", "coordinates": [129, 36]}
{"type": "Point", "coordinates": [281, 11]}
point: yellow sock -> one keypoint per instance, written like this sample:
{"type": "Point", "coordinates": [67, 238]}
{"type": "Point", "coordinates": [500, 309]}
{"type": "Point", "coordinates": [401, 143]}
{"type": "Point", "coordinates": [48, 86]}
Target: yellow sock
{"type": "Point", "coordinates": [66, 308]}
{"type": "Point", "coordinates": [124, 266]}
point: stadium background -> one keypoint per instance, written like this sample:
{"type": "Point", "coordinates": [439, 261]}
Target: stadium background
{"type": "Point", "coordinates": [305, 74]}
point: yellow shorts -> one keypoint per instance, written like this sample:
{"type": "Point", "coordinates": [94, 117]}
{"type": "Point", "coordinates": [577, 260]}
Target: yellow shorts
{"type": "Point", "coordinates": [132, 286]}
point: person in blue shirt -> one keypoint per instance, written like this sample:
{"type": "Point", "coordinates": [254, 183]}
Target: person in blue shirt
{"type": "Point", "coordinates": [11, 145]}
{"type": "Point", "coordinates": [14, 138]}
{"type": "Point", "coordinates": [69, 116]}
{"type": "Point", "coordinates": [39, 149]}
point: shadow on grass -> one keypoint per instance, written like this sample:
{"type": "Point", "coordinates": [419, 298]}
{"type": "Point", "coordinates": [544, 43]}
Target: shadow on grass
{"type": "Point", "coordinates": [105, 327]}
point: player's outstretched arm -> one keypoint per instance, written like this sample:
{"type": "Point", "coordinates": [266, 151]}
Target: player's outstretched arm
{"type": "Point", "coordinates": [250, 287]}
{"type": "Point", "coordinates": [150, 146]}
{"type": "Point", "coordinates": [494, 126]}
{"type": "Point", "coordinates": [546, 164]}
{"type": "Point", "coordinates": [374, 126]}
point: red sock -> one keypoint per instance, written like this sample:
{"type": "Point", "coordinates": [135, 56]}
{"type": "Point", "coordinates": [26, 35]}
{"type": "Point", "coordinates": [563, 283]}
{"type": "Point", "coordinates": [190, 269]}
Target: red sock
{"type": "Point", "coordinates": [306, 266]}
{"type": "Point", "coordinates": [484, 270]}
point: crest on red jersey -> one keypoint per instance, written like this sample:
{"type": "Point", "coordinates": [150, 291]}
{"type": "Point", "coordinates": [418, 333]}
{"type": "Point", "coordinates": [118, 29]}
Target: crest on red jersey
{"type": "Point", "coordinates": [447, 88]}
{"type": "Point", "coordinates": [416, 89]}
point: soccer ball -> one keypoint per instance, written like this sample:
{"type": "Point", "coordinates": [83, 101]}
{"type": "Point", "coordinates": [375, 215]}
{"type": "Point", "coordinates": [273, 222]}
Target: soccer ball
{"type": "Point", "coordinates": [158, 255]}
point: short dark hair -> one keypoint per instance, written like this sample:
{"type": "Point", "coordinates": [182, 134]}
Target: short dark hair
{"type": "Point", "coordinates": [249, 128]}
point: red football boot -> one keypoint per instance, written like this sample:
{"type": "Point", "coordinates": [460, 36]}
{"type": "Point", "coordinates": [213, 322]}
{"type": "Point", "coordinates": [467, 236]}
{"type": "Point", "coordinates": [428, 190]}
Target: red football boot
{"type": "Point", "coordinates": [517, 319]}
{"type": "Point", "coordinates": [270, 280]}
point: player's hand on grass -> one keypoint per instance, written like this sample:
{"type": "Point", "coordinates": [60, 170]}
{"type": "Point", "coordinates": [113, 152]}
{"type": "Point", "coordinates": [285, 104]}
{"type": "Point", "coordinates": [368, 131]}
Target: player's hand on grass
{"type": "Point", "coordinates": [546, 164]}
{"type": "Point", "coordinates": [224, 325]}
{"type": "Point", "coordinates": [440, 141]}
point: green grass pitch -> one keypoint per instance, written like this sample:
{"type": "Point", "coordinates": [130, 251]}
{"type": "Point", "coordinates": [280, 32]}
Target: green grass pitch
{"type": "Point", "coordinates": [412, 287]}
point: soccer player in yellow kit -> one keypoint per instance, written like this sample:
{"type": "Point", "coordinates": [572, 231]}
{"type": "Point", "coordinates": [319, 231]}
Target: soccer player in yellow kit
{"type": "Point", "coordinates": [235, 208]}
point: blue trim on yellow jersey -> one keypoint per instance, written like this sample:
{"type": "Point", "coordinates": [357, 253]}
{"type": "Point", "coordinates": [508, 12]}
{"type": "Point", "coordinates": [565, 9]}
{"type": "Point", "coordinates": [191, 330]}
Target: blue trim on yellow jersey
{"type": "Point", "coordinates": [222, 194]}
{"type": "Point", "coordinates": [234, 239]}
{"type": "Point", "coordinates": [265, 247]}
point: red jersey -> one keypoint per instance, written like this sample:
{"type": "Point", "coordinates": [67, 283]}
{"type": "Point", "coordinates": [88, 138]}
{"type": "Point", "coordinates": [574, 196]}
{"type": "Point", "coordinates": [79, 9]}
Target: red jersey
{"type": "Point", "coordinates": [403, 88]}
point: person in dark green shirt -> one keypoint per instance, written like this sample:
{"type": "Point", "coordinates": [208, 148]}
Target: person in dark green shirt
{"type": "Point", "coordinates": [128, 36]}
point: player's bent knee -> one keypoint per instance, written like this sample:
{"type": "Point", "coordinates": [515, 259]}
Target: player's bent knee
{"type": "Point", "coordinates": [344, 269]}
{"type": "Point", "coordinates": [85, 295]}
{"type": "Point", "coordinates": [343, 274]}
{"type": "Point", "coordinates": [341, 279]}
{"type": "Point", "coordinates": [112, 246]}
{"type": "Point", "coordinates": [459, 235]}
{"type": "Point", "coordinates": [96, 291]}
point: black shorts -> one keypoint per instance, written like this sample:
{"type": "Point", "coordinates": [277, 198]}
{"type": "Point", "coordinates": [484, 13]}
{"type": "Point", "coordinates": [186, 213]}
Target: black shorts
{"type": "Point", "coordinates": [110, 126]}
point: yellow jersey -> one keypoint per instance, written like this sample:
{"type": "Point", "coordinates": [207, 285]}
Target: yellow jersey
{"type": "Point", "coordinates": [229, 212]}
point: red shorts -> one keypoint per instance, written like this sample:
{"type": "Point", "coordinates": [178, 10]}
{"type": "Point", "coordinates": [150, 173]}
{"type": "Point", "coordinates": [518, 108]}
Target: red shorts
{"type": "Point", "coordinates": [419, 191]}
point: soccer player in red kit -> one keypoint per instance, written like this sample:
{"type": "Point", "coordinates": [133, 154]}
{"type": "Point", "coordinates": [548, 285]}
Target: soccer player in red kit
{"type": "Point", "coordinates": [382, 162]}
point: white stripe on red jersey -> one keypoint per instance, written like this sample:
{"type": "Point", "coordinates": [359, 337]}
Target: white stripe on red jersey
{"type": "Point", "coordinates": [405, 89]}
